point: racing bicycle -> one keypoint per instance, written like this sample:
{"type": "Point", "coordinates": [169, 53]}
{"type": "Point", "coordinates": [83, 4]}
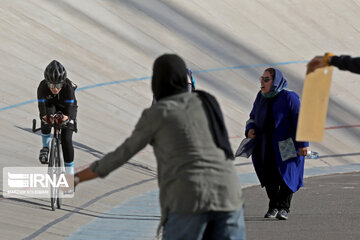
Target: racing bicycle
{"type": "Point", "coordinates": [56, 163]}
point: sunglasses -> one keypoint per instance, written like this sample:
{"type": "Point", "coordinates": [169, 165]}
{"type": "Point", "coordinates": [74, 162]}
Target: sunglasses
{"type": "Point", "coordinates": [55, 85]}
{"type": "Point", "coordinates": [265, 79]}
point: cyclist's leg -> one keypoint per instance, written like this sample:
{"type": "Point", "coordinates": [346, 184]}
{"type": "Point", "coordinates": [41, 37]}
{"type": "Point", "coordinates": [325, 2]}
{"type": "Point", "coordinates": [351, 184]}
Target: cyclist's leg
{"type": "Point", "coordinates": [45, 135]}
{"type": "Point", "coordinates": [68, 149]}
{"type": "Point", "coordinates": [67, 144]}
{"type": "Point", "coordinates": [68, 154]}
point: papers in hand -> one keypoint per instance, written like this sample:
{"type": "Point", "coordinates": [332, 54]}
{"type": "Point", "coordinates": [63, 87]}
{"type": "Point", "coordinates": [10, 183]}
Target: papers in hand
{"type": "Point", "coordinates": [246, 148]}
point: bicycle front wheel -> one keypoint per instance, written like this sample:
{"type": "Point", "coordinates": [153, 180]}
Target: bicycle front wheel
{"type": "Point", "coordinates": [52, 173]}
{"type": "Point", "coordinates": [58, 165]}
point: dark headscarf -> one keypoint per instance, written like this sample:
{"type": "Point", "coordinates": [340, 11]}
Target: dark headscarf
{"type": "Point", "coordinates": [169, 76]}
{"type": "Point", "coordinates": [217, 123]}
{"type": "Point", "coordinates": [278, 85]}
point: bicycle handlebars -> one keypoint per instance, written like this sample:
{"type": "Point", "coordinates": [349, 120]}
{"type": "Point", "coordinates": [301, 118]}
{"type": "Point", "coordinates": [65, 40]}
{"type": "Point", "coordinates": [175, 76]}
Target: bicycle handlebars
{"type": "Point", "coordinates": [58, 116]}
{"type": "Point", "coordinates": [34, 129]}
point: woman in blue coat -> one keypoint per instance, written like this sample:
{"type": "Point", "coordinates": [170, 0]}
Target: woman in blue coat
{"type": "Point", "coordinates": [278, 159]}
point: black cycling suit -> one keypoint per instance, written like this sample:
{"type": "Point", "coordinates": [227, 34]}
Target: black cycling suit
{"type": "Point", "coordinates": [65, 102]}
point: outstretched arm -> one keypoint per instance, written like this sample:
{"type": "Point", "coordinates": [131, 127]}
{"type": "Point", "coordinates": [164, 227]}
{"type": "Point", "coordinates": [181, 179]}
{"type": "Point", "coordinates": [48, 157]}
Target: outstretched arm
{"type": "Point", "coordinates": [343, 62]}
{"type": "Point", "coordinates": [139, 138]}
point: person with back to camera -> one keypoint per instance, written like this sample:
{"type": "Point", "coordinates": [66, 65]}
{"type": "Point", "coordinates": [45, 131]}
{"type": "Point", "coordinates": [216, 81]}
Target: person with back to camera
{"type": "Point", "coordinates": [190, 83]}
{"type": "Point", "coordinates": [277, 158]}
{"type": "Point", "coordinates": [343, 62]}
{"type": "Point", "coordinates": [200, 194]}
{"type": "Point", "coordinates": [57, 93]}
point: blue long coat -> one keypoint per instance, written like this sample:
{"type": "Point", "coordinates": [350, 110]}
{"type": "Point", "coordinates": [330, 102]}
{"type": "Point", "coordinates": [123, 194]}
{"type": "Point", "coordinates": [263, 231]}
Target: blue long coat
{"type": "Point", "coordinates": [290, 164]}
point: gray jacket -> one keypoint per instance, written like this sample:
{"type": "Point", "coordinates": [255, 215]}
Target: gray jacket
{"type": "Point", "coordinates": [194, 175]}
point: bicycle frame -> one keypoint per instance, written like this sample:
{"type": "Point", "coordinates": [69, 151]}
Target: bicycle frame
{"type": "Point", "coordinates": [55, 166]}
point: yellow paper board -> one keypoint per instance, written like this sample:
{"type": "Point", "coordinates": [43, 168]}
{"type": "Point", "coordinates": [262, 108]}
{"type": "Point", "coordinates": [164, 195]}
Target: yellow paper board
{"type": "Point", "coordinates": [314, 104]}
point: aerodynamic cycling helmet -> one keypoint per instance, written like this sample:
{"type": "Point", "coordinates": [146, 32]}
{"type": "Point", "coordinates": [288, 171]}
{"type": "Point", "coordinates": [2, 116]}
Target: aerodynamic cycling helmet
{"type": "Point", "coordinates": [55, 73]}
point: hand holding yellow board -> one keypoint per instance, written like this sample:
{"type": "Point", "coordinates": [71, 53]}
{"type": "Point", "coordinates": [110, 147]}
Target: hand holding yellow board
{"type": "Point", "coordinates": [314, 104]}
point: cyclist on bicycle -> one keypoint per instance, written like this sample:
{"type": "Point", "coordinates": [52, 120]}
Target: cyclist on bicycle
{"type": "Point", "coordinates": [57, 93]}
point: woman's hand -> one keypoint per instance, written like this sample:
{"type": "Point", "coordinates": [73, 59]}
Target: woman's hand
{"type": "Point", "coordinates": [251, 133]}
{"type": "Point", "coordinates": [319, 62]}
{"type": "Point", "coordinates": [303, 151]}
{"type": "Point", "coordinates": [83, 176]}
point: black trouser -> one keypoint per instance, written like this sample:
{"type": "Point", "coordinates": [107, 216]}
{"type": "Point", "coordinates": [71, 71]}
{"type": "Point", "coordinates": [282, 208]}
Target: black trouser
{"type": "Point", "coordinates": [66, 136]}
{"type": "Point", "coordinates": [279, 194]}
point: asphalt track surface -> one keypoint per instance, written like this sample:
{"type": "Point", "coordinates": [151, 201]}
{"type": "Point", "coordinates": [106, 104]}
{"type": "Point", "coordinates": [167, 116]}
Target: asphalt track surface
{"type": "Point", "coordinates": [108, 48]}
{"type": "Point", "coordinates": [327, 207]}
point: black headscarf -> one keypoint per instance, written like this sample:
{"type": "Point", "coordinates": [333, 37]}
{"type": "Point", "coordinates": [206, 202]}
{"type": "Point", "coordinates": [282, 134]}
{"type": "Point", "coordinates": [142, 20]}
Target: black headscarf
{"type": "Point", "coordinates": [217, 123]}
{"type": "Point", "coordinates": [169, 76]}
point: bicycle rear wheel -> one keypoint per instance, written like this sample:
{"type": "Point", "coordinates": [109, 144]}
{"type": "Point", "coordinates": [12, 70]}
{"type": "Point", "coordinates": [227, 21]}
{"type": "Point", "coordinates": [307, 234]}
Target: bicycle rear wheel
{"type": "Point", "coordinates": [52, 172]}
